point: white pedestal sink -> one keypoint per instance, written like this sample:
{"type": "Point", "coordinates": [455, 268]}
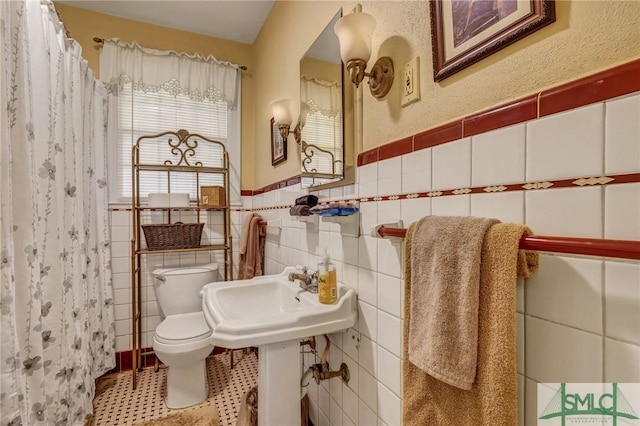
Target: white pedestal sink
{"type": "Point", "coordinates": [274, 314]}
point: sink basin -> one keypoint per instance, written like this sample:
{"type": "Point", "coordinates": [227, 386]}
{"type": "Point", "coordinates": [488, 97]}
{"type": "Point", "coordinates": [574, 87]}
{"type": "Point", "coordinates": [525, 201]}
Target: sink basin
{"type": "Point", "coordinates": [270, 309]}
{"type": "Point", "coordinates": [274, 314]}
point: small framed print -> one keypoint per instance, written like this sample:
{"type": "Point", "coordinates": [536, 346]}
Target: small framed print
{"type": "Point", "coordinates": [278, 145]}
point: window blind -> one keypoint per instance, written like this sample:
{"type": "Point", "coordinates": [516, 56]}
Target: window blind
{"type": "Point", "coordinates": [149, 113]}
{"type": "Point", "coordinates": [326, 133]}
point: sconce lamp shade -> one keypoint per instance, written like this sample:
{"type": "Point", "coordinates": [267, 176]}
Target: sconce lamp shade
{"type": "Point", "coordinates": [355, 32]}
{"type": "Point", "coordinates": [304, 111]}
{"type": "Point", "coordinates": [281, 110]}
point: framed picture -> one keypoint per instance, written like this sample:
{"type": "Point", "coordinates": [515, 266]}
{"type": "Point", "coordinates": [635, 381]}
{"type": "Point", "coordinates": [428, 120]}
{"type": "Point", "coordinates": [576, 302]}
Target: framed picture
{"type": "Point", "coordinates": [465, 31]}
{"type": "Point", "coordinates": [278, 145]}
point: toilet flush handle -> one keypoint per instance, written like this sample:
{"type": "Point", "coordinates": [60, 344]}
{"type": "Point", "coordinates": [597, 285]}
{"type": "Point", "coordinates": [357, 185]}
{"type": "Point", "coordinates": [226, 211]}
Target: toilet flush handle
{"type": "Point", "coordinates": [161, 278]}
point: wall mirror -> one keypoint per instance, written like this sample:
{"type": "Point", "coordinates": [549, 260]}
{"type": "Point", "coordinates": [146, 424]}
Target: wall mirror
{"type": "Point", "coordinates": [326, 146]}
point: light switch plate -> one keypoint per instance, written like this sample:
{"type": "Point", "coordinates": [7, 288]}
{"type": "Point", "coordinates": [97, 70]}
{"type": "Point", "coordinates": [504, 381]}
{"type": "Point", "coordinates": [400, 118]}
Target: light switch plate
{"type": "Point", "coordinates": [411, 83]}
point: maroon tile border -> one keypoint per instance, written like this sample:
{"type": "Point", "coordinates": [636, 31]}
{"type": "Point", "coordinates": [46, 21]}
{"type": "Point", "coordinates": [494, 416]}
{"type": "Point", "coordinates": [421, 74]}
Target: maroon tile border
{"type": "Point", "coordinates": [124, 359]}
{"type": "Point", "coordinates": [506, 115]}
{"type": "Point", "coordinates": [604, 85]}
{"type": "Point", "coordinates": [439, 135]}
{"type": "Point", "coordinates": [368, 157]}
{"type": "Point", "coordinates": [395, 149]}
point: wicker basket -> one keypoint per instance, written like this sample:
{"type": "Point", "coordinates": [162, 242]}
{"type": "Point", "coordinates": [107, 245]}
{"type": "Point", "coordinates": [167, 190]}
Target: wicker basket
{"type": "Point", "coordinates": [175, 236]}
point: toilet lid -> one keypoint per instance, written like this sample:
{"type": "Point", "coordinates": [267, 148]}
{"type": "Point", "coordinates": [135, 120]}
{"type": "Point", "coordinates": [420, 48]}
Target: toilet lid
{"type": "Point", "coordinates": [183, 327]}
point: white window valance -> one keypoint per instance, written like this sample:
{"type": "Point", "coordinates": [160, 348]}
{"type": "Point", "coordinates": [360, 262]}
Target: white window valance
{"type": "Point", "coordinates": [323, 97]}
{"type": "Point", "coordinates": [152, 70]}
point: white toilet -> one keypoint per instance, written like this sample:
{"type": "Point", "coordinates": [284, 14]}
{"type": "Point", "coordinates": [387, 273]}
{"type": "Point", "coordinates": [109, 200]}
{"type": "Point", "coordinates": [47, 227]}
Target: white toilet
{"type": "Point", "coordinates": [181, 340]}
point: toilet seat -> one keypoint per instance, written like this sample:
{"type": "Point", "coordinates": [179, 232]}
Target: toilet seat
{"type": "Point", "coordinates": [180, 329]}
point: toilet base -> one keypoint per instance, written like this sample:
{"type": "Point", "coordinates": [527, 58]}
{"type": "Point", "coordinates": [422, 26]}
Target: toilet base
{"type": "Point", "coordinates": [187, 385]}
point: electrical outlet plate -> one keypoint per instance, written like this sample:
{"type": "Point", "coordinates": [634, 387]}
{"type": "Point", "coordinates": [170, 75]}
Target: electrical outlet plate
{"type": "Point", "coordinates": [411, 83]}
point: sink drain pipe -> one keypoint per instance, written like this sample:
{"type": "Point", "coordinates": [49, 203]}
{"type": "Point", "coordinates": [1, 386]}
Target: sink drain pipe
{"type": "Point", "coordinates": [322, 371]}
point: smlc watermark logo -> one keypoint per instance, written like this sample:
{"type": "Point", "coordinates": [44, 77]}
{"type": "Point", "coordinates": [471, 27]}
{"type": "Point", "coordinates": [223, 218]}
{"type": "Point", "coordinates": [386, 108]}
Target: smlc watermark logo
{"type": "Point", "coordinates": [607, 404]}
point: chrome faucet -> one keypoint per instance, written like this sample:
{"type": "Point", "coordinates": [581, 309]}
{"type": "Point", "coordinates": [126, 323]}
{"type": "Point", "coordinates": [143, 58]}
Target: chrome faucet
{"type": "Point", "coordinates": [308, 280]}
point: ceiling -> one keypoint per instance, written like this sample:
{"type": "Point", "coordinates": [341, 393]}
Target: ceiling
{"type": "Point", "coordinates": [237, 20]}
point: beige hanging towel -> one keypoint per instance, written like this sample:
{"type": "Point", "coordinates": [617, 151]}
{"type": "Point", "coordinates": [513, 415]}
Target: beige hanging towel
{"type": "Point", "coordinates": [492, 399]}
{"type": "Point", "coordinates": [443, 330]}
{"type": "Point", "coordinates": [251, 247]}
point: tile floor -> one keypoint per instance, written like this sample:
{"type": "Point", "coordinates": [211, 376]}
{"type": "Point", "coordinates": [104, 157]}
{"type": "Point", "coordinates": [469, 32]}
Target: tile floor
{"type": "Point", "coordinates": [116, 403]}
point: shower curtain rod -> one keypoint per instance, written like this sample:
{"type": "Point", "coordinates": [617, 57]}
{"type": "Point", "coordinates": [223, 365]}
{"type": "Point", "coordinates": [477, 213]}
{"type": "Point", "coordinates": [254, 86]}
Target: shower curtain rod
{"type": "Point", "coordinates": [623, 249]}
{"type": "Point", "coordinates": [101, 41]}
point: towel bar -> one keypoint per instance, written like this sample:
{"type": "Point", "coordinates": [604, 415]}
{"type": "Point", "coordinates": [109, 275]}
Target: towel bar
{"type": "Point", "coordinates": [274, 223]}
{"type": "Point", "coordinates": [623, 249]}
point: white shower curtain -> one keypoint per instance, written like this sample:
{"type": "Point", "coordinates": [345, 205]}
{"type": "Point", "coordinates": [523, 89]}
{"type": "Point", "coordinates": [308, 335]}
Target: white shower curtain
{"type": "Point", "coordinates": [56, 305]}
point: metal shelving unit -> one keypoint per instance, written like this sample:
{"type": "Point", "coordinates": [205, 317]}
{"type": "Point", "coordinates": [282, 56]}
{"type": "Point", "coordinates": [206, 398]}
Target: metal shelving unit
{"type": "Point", "coordinates": [182, 151]}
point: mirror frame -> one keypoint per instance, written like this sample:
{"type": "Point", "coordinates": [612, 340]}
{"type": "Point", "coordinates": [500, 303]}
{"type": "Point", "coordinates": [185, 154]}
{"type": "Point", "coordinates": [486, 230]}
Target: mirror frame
{"type": "Point", "coordinates": [349, 153]}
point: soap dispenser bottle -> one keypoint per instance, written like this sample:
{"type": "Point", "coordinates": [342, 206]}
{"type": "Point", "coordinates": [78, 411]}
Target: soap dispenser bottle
{"type": "Point", "coordinates": [327, 283]}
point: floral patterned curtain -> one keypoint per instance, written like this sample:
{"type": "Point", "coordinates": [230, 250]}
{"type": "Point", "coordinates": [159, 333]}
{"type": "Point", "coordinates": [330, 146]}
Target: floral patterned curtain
{"type": "Point", "coordinates": [56, 306]}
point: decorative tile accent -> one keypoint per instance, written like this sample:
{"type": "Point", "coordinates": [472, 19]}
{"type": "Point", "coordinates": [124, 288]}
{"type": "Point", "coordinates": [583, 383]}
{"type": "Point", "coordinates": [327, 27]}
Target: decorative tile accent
{"type": "Point", "coordinates": [537, 185]}
{"type": "Point", "coordinates": [499, 188]}
{"type": "Point", "coordinates": [461, 191]}
{"type": "Point", "coordinates": [602, 180]}
{"type": "Point", "coordinates": [434, 194]}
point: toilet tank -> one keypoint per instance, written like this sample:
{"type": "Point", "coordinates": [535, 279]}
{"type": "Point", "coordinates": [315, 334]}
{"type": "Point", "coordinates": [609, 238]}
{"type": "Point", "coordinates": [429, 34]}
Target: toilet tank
{"type": "Point", "coordinates": [178, 289]}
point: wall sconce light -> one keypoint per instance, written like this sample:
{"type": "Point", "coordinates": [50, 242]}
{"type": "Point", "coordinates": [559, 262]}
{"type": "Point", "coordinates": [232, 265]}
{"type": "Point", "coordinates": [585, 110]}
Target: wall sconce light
{"type": "Point", "coordinates": [281, 110]}
{"type": "Point", "coordinates": [354, 32]}
{"type": "Point", "coordinates": [282, 117]}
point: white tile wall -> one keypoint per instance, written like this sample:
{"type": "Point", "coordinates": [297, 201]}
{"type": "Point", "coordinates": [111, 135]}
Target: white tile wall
{"type": "Point", "coordinates": [622, 212]}
{"type": "Point", "coordinates": [368, 180]}
{"type": "Point", "coordinates": [390, 176]}
{"type": "Point", "coordinates": [556, 353]}
{"type": "Point", "coordinates": [579, 318]}
{"type": "Point", "coordinates": [451, 165]}
{"type": "Point", "coordinates": [507, 207]}
{"type": "Point", "coordinates": [571, 212]}
{"type": "Point", "coordinates": [414, 209]}
{"type": "Point", "coordinates": [622, 301]}
{"type": "Point", "coordinates": [389, 372]}
{"type": "Point", "coordinates": [622, 362]}
{"type": "Point", "coordinates": [566, 145]}
{"type": "Point", "coordinates": [622, 133]}
{"type": "Point", "coordinates": [498, 156]}
{"type": "Point", "coordinates": [458, 205]}
{"type": "Point", "coordinates": [389, 406]}
{"type": "Point", "coordinates": [416, 172]}
{"type": "Point", "coordinates": [567, 291]}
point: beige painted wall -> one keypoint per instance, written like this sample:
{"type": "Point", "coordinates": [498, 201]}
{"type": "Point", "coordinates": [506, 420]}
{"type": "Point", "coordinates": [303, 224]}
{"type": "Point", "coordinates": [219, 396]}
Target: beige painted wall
{"type": "Point", "coordinates": [588, 36]}
{"type": "Point", "coordinates": [84, 25]}
{"type": "Point", "coordinates": [290, 29]}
